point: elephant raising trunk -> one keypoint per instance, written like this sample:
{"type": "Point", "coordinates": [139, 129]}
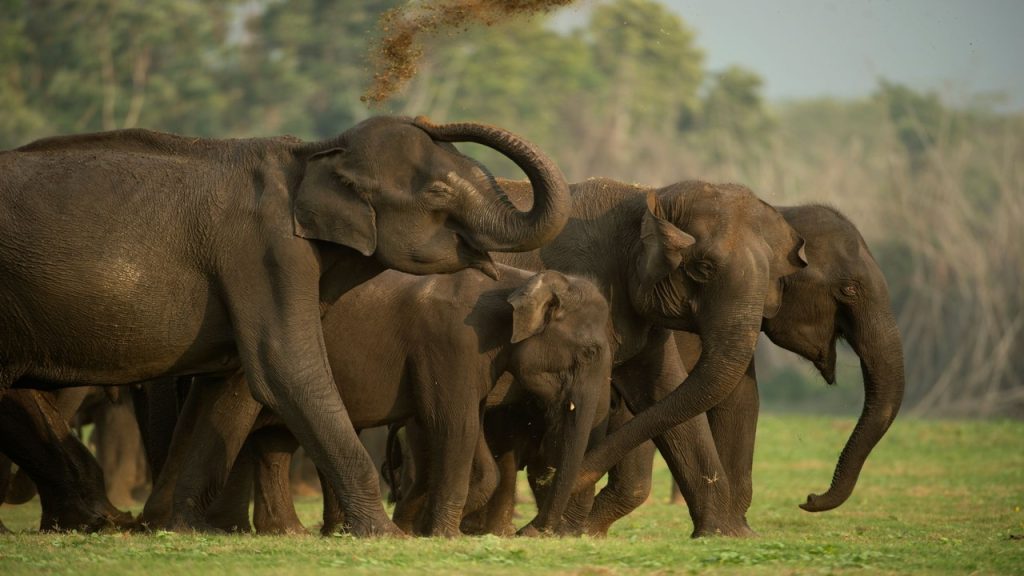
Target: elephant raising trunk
{"type": "Point", "coordinates": [500, 225]}
{"type": "Point", "coordinates": [876, 341]}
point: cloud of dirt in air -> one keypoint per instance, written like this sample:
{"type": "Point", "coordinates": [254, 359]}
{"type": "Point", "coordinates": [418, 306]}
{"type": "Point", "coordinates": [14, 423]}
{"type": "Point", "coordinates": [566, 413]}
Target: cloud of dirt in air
{"type": "Point", "coordinates": [396, 54]}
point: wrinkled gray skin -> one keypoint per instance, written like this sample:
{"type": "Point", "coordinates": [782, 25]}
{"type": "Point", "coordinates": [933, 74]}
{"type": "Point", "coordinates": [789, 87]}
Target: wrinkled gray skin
{"type": "Point", "coordinates": [433, 349]}
{"type": "Point", "coordinates": [691, 256]}
{"type": "Point", "coordinates": [841, 294]}
{"type": "Point", "coordinates": [132, 255]}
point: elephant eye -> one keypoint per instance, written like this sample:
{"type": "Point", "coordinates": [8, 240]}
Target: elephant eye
{"type": "Point", "coordinates": [701, 270]}
{"type": "Point", "coordinates": [849, 291]}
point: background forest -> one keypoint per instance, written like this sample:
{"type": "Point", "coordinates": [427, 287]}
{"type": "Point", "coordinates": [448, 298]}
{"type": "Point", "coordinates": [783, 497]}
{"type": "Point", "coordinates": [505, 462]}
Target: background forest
{"type": "Point", "coordinates": [938, 192]}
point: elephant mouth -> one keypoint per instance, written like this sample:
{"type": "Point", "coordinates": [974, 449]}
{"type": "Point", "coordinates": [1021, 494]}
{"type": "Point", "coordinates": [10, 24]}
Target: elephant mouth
{"type": "Point", "coordinates": [474, 257]}
{"type": "Point", "coordinates": [826, 368]}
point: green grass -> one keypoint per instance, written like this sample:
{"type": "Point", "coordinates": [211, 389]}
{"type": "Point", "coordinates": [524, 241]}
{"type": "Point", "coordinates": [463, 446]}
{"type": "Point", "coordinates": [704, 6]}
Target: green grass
{"type": "Point", "coordinates": [936, 497]}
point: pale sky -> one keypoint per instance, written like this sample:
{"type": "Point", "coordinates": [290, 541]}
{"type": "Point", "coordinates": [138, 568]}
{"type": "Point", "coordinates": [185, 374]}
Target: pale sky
{"type": "Point", "coordinates": [807, 48]}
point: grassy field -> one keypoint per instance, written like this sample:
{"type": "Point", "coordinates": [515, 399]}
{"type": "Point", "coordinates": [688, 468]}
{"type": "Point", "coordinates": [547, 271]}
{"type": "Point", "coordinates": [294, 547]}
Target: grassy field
{"type": "Point", "coordinates": [936, 497]}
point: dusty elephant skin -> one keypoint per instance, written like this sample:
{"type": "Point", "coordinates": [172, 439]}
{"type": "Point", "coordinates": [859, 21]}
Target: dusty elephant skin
{"type": "Point", "coordinates": [842, 294]}
{"type": "Point", "coordinates": [433, 349]}
{"type": "Point", "coordinates": [691, 256]}
{"type": "Point", "coordinates": [131, 255]}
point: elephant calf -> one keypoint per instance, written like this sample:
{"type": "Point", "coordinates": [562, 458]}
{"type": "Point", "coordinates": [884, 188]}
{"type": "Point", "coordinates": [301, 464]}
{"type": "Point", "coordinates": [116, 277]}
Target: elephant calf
{"type": "Point", "coordinates": [435, 350]}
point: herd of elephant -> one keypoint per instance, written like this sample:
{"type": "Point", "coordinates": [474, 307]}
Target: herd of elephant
{"type": "Point", "coordinates": [255, 295]}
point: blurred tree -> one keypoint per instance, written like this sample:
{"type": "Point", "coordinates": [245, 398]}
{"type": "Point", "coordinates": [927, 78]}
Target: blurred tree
{"type": "Point", "coordinates": [304, 65]}
{"type": "Point", "coordinates": [919, 119]}
{"type": "Point", "coordinates": [100, 64]}
{"type": "Point", "coordinates": [652, 71]}
{"type": "Point", "coordinates": [734, 119]}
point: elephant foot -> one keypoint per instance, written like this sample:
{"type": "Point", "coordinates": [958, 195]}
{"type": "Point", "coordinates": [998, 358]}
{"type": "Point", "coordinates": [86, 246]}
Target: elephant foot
{"type": "Point", "coordinates": [280, 526]}
{"type": "Point", "coordinates": [282, 530]}
{"type": "Point", "coordinates": [381, 526]}
{"type": "Point", "coordinates": [87, 521]}
{"type": "Point", "coordinates": [332, 529]}
{"type": "Point", "coordinates": [4, 529]}
{"type": "Point", "coordinates": [231, 523]}
{"type": "Point", "coordinates": [188, 522]}
{"type": "Point", "coordinates": [734, 529]}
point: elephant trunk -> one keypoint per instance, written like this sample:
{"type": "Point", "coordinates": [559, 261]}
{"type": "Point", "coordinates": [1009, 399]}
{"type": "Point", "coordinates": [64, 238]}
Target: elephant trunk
{"type": "Point", "coordinates": [500, 225]}
{"type": "Point", "coordinates": [567, 436]}
{"type": "Point", "coordinates": [877, 342]}
{"type": "Point", "coordinates": [729, 327]}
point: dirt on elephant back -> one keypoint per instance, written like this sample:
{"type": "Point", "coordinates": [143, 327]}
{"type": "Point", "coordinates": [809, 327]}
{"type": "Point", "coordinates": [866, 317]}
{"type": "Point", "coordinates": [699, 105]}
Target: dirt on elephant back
{"type": "Point", "coordinates": [397, 52]}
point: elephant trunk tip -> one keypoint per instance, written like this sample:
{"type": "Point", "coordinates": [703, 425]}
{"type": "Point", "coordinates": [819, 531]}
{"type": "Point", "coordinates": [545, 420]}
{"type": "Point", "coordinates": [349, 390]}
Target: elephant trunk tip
{"type": "Point", "coordinates": [824, 502]}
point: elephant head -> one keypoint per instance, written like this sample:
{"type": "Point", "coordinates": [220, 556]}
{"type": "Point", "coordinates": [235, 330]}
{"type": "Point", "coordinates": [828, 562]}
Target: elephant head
{"type": "Point", "coordinates": [396, 189]}
{"type": "Point", "coordinates": [708, 259]}
{"type": "Point", "coordinates": [842, 294]}
{"type": "Point", "coordinates": [562, 357]}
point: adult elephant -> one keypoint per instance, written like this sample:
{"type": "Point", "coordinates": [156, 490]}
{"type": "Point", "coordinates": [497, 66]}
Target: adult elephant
{"type": "Point", "coordinates": [690, 256]}
{"type": "Point", "coordinates": [131, 255]}
{"type": "Point", "coordinates": [842, 294]}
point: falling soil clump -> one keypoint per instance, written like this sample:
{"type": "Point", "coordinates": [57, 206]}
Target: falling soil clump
{"type": "Point", "coordinates": [397, 52]}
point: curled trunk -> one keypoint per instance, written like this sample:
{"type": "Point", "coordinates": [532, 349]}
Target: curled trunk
{"type": "Point", "coordinates": [499, 224]}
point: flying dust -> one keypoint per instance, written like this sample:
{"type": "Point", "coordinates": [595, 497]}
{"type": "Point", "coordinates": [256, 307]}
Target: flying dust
{"type": "Point", "coordinates": [396, 54]}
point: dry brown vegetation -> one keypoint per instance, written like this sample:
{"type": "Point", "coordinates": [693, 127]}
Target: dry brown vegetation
{"type": "Point", "coordinates": [396, 54]}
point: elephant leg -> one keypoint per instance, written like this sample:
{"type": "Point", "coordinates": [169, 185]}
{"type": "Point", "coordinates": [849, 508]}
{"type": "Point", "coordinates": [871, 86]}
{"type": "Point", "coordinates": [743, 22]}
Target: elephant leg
{"type": "Point", "coordinates": [308, 401]}
{"type": "Point", "coordinates": [502, 505]}
{"type": "Point", "coordinates": [675, 494]}
{"type": "Point", "coordinates": [228, 412]}
{"type": "Point", "coordinates": [734, 426]}
{"type": "Point", "coordinates": [229, 510]}
{"type": "Point", "coordinates": [70, 481]}
{"type": "Point", "coordinates": [214, 422]}
{"type": "Point", "coordinates": [157, 407]}
{"type": "Point", "coordinates": [629, 481]}
{"type": "Point", "coordinates": [118, 449]}
{"type": "Point", "coordinates": [411, 506]}
{"type": "Point", "coordinates": [484, 477]}
{"type": "Point", "coordinates": [5, 481]}
{"type": "Point", "coordinates": [375, 441]}
{"type": "Point", "coordinates": [688, 449]}
{"type": "Point", "coordinates": [453, 441]}
{"type": "Point", "coordinates": [334, 516]}
{"type": "Point", "coordinates": [273, 509]}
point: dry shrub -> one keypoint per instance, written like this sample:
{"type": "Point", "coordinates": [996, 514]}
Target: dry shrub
{"type": "Point", "coordinates": [396, 54]}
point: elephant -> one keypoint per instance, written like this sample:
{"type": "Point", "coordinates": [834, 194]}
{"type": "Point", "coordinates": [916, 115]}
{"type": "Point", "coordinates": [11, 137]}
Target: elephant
{"type": "Point", "coordinates": [841, 294]}
{"type": "Point", "coordinates": [35, 435]}
{"type": "Point", "coordinates": [132, 255]}
{"type": "Point", "coordinates": [707, 258]}
{"type": "Point", "coordinates": [435, 350]}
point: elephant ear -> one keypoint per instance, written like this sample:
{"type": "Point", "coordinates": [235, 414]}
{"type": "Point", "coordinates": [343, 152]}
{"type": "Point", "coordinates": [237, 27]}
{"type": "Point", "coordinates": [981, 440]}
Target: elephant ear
{"type": "Point", "coordinates": [328, 207]}
{"type": "Point", "coordinates": [536, 303]}
{"type": "Point", "coordinates": [663, 243]}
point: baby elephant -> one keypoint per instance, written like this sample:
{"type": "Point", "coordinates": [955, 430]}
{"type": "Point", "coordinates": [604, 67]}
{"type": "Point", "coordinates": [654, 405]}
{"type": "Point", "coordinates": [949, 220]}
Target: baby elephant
{"type": "Point", "coordinates": [436, 350]}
